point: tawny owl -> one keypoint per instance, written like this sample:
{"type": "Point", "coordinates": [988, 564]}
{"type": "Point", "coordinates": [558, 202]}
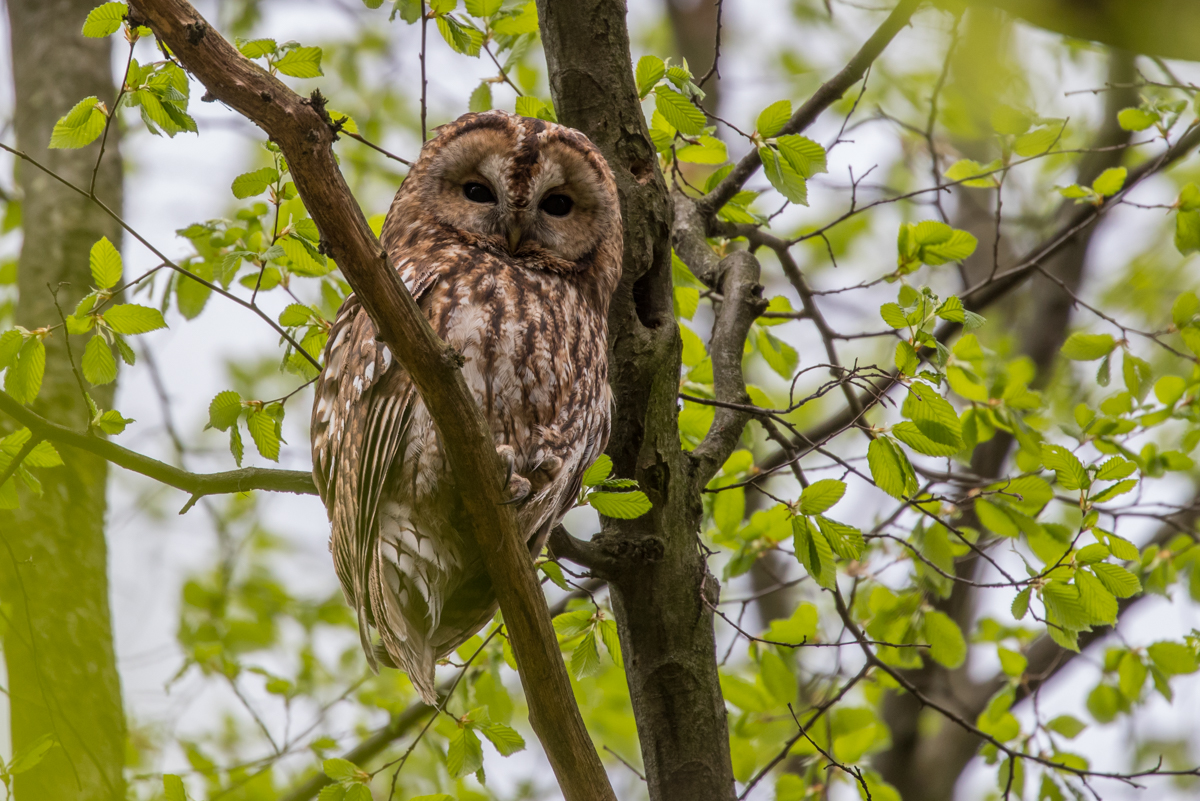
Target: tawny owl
{"type": "Point", "coordinates": [507, 232]}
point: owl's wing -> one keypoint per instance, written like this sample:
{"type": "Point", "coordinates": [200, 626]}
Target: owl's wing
{"type": "Point", "coordinates": [362, 412]}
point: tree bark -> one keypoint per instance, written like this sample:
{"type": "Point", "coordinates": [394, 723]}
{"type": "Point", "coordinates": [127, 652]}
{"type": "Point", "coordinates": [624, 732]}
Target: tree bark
{"type": "Point", "coordinates": [62, 673]}
{"type": "Point", "coordinates": [659, 580]}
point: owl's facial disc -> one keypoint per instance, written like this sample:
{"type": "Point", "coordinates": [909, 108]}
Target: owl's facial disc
{"type": "Point", "coordinates": [546, 199]}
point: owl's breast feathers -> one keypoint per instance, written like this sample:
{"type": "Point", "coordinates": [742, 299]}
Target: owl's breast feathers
{"type": "Point", "coordinates": [534, 351]}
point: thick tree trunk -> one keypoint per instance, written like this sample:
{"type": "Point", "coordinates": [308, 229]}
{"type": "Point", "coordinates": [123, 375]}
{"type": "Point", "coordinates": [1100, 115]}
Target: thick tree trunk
{"type": "Point", "coordinates": [657, 572]}
{"type": "Point", "coordinates": [62, 674]}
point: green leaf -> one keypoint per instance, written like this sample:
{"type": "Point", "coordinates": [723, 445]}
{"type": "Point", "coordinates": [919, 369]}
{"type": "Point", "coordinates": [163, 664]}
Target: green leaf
{"type": "Point", "coordinates": [1172, 658]}
{"type": "Point", "coordinates": [813, 551]}
{"type": "Point", "coordinates": [264, 430]}
{"type": "Point", "coordinates": [890, 468]}
{"type": "Point", "coordinates": [80, 127]}
{"type": "Point", "coordinates": [1088, 347]}
{"type": "Point", "coordinates": [600, 470]}
{"type": "Point", "coordinates": [461, 39]}
{"type": "Point", "coordinates": [1063, 602]}
{"type": "Point", "coordinates": [334, 792]}
{"type": "Point", "coordinates": [1110, 181]}
{"type": "Point", "coordinates": [804, 155]}
{"type": "Point", "coordinates": [965, 170]}
{"type": "Point", "coordinates": [777, 678]}
{"type": "Point", "coordinates": [340, 770]}
{"type": "Point", "coordinates": [1097, 601]}
{"type": "Point", "coordinates": [172, 784]}
{"type": "Point", "coordinates": [800, 627]}
{"type": "Point", "coordinates": [1121, 547]}
{"type": "Point", "coordinates": [1115, 468]}
{"type": "Point", "coordinates": [249, 184]}
{"type": "Point", "coordinates": [1036, 142]}
{"type": "Point", "coordinates": [620, 505]}
{"type": "Point", "coordinates": [773, 118]}
{"type": "Point", "coordinates": [235, 444]}
{"type": "Point", "coordinates": [846, 541]}
{"type": "Point", "coordinates": [99, 366]}
{"type": "Point", "coordinates": [506, 740]}
{"type": "Point", "coordinates": [946, 643]}
{"type": "Point", "coordinates": [483, 8]}
{"type": "Point", "coordinates": [1020, 604]}
{"type": "Point", "coordinates": [10, 346]}
{"type": "Point", "coordinates": [935, 429]}
{"type": "Point", "coordinates": [466, 753]}
{"type": "Point", "coordinates": [783, 176]}
{"type": "Point", "coordinates": [112, 422]}
{"type": "Point", "coordinates": [1169, 389]}
{"type": "Point", "coordinates": [29, 756]}
{"type": "Point", "coordinates": [524, 22]}
{"type": "Point", "coordinates": [104, 259]}
{"type": "Point", "coordinates": [1120, 488]}
{"type": "Point", "coordinates": [706, 150]}
{"type": "Point", "coordinates": [1066, 467]}
{"type": "Point", "coordinates": [224, 409]}
{"type": "Point", "coordinates": [650, 70]}
{"type": "Point", "coordinates": [1066, 725]}
{"type": "Point", "coordinates": [893, 315]}
{"type": "Point", "coordinates": [358, 792]}
{"type": "Point", "coordinates": [1136, 119]}
{"type": "Point", "coordinates": [1012, 663]}
{"type": "Point", "coordinates": [1187, 232]}
{"type": "Point", "coordinates": [24, 379]}
{"type": "Point", "coordinates": [104, 20]}
{"type": "Point", "coordinates": [679, 111]}
{"type": "Point", "coordinates": [612, 641]}
{"type": "Point", "coordinates": [1117, 580]}
{"type": "Point", "coordinates": [481, 98]}
{"type": "Point", "coordinates": [130, 318]}
{"type": "Point", "coordinates": [585, 659]}
{"type": "Point", "coordinates": [779, 355]}
{"type": "Point", "coordinates": [301, 62]}
{"type": "Point", "coordinates": [959, 246]}
{"type": "Point", "coordinates": [821, 495]}
{"type": "Point", "coordinates": [257, 48]}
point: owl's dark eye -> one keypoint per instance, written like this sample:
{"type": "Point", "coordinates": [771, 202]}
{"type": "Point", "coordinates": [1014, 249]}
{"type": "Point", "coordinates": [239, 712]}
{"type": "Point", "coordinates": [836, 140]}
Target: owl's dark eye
{"type": "Point", "coordinates": [557, 205]}
{"type": "Point", "coordinates": [478, 193]}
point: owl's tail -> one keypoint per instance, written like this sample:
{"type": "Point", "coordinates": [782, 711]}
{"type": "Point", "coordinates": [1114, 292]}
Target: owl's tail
{"type": "Point", "coordinates": [404, 645]}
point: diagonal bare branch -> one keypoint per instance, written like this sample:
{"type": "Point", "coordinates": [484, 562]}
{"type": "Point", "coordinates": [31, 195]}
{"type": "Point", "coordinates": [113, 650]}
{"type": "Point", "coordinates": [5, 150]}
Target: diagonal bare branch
{"type": "Point", "coordinates": [829, 93]}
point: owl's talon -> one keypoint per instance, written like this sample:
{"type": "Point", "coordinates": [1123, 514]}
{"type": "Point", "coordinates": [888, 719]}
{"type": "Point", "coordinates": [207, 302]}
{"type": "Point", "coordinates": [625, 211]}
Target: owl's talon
{"type": "Point", "coordinates": [517, 488]}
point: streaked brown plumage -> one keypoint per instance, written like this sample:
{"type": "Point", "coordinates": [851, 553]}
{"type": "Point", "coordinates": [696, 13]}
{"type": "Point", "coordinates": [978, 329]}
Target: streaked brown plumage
{"type": "Point", "coordinates": [518, 280]}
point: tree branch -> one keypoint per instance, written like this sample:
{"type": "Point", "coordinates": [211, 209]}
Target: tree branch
{"type": "Point", "coordinates": [829, 93]}
{"type": "Point", "coordinates": [303, 131]}
{"type": "Point", "coordinates": [198, 484]}
{"type": "Point", "coordinates": [736, 277]}
{"type": "Point", "coordinates": [402, 722]}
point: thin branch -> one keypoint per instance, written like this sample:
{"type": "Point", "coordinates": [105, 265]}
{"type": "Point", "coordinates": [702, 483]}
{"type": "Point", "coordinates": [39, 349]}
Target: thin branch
{"type": "Point", "coordinates": [830, 92]}
{"type": "Point", "coordinates": [198, 484]}
{"type": "Point", "coordinates": [214, 287]}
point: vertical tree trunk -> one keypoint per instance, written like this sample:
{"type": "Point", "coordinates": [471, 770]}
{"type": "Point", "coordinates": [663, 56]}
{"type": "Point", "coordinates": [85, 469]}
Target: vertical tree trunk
{"type": "Point", "coordinates": [660, 580]}
{"type": "Point", "coordinates": [53, 563]}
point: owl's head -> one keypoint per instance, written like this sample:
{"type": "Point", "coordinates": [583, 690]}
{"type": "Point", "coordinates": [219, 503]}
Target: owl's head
{"type": "Point", "coordinates": [523, 188]}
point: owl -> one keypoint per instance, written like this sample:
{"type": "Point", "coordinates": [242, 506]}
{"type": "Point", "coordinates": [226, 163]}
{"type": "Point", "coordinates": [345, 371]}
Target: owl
{"type": "Point", "coordinates": [507, 232]}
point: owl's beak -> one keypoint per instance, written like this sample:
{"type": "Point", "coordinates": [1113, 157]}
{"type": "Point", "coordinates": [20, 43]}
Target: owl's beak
{"type": "Point", "coordinates": [516, 231]}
